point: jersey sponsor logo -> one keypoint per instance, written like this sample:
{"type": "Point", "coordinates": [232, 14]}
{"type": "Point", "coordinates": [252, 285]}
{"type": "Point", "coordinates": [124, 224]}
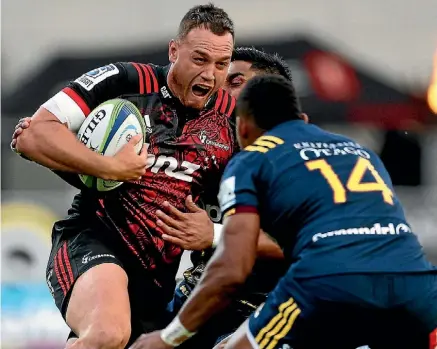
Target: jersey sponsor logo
{"type": "Point", "coordinates": [264, 143]}
{"type": "Point", "coordinates": [96, 76]}
{"type": "Point", "coordinates": [226, 194]}
{"type": "Point", "coordinates": [323, 145]}
{"type": "Point", "coordinates": [205, 139]}
{"type": "Point", "coordinates": [164, 92]}
{"type": "Point", "coordinates": [375, 229]}
{"type": "Point", "coordinates": [88, 258]}
{"type": "Point", "coordinates": [171, 167]}
{"type": "Point", "coordinates": [311, 150]}
{"type": "Point", "coordinates": [85, 136]}
{"type": "Point", "coordinates": [49, 282]}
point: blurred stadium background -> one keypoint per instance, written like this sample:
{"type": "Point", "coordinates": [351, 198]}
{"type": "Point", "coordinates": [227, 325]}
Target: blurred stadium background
{"type": "Point", "coordinates": [362, 68]}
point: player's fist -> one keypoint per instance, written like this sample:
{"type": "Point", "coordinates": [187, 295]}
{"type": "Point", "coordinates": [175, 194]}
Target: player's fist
{"type": "Point", "coordinates": [127, 165]}
{"type": "Point", "coordinates": [21, 125]}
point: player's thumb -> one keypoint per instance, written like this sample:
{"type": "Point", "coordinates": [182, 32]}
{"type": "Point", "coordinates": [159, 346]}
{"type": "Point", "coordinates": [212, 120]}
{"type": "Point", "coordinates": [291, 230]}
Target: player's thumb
{"type": "Point", "coordinates": [144, 149]}
{"type": "Point", "coordinates": [136, 139]}
{"type": "Point", "coordinates": [192, 207]}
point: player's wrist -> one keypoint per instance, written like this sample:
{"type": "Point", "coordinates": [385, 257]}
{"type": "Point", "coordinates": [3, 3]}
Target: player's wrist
{"type": "Point", "coordinates": [175, 333]}
{"type": "Point", "coordinates": [218, 230]}
{"type": "Point", "coordinates": [108, 168]}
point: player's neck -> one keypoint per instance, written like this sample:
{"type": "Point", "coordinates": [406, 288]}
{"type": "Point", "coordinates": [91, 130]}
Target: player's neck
{"type": "Point", "coordinates": [171, 83]}
{"type": "Point", "coordinates": [255, 135]}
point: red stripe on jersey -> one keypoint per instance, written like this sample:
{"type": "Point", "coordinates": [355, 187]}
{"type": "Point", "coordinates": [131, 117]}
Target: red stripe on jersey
{"type": "Point", "coordinates": [232, 106]}
{"type": "Point", "coordinates": [218, 101]}
{"type": "Point", "coordinates": [140, 77]}
{"type": "Point", "coordinates": [246, 209]}
{"type": "Point", "coordinates": [78, 100]}
{"type": "Point", "coordinates": [148, 80]}
{"type": "Point", "coordinates": [225, 103]}
{"type": "Point", "coordinates": [240, 209]}
{"type": "Point", "coordinates": [155, 81]}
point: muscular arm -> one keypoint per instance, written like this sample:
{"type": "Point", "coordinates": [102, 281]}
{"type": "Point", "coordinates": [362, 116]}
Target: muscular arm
{"type": "Point", "coordinates": [228, 268]}
{"type": "Point", "coordinates": [50, 139]}
{"type": "Point", "coordinates": [51, 144]}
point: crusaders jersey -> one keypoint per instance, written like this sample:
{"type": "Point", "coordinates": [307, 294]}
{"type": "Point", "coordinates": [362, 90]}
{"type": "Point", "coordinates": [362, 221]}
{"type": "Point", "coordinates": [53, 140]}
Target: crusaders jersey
{"type": "Point", "coordinates": [187, 154]}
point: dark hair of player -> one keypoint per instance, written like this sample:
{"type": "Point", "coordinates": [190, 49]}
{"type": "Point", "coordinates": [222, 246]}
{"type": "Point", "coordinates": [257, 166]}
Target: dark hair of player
{"type": "Point", "coordinates": [270, 100]}
{"type": "Point", "coordinates": [207, 16]}
{"type": "Point", "coordinates": [262, 61]}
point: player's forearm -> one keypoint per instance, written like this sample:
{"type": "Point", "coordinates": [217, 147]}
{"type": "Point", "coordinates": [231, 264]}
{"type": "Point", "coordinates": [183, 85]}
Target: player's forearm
{"type": "Point", "coordinates": [52, 145]}
{"type": "Point", "coordinates": [228, 269]}
{"type": "Point", "coordinates": [267, 248]}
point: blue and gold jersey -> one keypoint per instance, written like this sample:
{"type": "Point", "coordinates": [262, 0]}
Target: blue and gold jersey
{"type": "Point", "coordinates": [326, 200]}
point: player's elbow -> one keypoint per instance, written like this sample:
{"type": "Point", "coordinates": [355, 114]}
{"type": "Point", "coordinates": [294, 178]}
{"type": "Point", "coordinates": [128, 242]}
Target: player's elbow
{"type": "Point", "coordinates": [237, 277]}
{"type": "Point", "coordinates": [232, 278]}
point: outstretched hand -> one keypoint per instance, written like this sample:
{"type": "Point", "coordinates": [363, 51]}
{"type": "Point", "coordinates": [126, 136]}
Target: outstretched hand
{"type": "Point", "coordinates": [192, 230]}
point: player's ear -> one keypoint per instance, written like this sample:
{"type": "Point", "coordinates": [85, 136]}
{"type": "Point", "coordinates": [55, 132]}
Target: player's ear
{"type": "Point", "coordinates": [305, 117]}
{"type": "Point", "coordinates": [172, 51]}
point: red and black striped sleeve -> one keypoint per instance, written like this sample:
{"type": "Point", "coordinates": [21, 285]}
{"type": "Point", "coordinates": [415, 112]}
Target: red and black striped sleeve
{"type": "Point", "coordinates": [224, 103]}
{"type": "Point", "coordinates": [81, 96]}
{"type": "Point", "coordinates": [111, 81]}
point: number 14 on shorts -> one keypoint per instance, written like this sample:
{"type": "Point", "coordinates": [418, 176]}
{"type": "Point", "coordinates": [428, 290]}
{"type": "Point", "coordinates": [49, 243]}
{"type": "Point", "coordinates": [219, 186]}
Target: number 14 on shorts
{"type": "Point", "coordinates": [355, 182]}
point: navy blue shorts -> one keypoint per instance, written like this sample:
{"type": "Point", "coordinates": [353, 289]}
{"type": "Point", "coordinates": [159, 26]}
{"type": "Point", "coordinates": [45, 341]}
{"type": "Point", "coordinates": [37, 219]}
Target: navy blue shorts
{"type": "Point", "coordinates": [348, 311]}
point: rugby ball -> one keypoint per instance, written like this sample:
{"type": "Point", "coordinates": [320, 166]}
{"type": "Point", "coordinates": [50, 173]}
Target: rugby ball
{"type": "Point", "coordinates": [107, 129]}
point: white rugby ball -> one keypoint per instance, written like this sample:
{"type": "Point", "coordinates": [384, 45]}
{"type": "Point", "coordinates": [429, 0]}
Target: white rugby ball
{"type": "Point", "coordinates": [107, 129]}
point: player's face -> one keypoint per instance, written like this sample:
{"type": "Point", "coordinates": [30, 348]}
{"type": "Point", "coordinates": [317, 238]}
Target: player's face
{"type": "Point", "coordinates": [200, 65]}
{"type": "Point", "coordinates": [239, 73]}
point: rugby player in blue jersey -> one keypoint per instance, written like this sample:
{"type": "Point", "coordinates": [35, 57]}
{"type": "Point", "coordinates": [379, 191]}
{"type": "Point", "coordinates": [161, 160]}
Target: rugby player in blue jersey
{"type": "Point", "coordinates": [356, 269]}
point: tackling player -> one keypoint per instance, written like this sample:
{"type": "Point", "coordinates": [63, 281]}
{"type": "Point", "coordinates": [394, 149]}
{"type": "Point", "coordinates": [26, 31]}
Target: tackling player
{"type": "Point", "coordinates": [356, 267]}
{"type": "Point", "coordinates": [180, 227]}
{"type": "Point", "coordinates": [110, 272]}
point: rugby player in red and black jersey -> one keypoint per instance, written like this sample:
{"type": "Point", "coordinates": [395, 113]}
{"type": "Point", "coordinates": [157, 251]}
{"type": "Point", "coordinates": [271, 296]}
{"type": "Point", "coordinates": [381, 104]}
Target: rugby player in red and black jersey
{"type": "Point", "coordinates": [181, 228]}
{"type": "Point", "coordinates": [110, 271]}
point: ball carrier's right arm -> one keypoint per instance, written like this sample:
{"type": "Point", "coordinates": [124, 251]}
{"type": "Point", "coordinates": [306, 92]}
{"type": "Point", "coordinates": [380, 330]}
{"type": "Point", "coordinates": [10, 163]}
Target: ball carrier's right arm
{"type": "Point", "coordinates": [50, 140]}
